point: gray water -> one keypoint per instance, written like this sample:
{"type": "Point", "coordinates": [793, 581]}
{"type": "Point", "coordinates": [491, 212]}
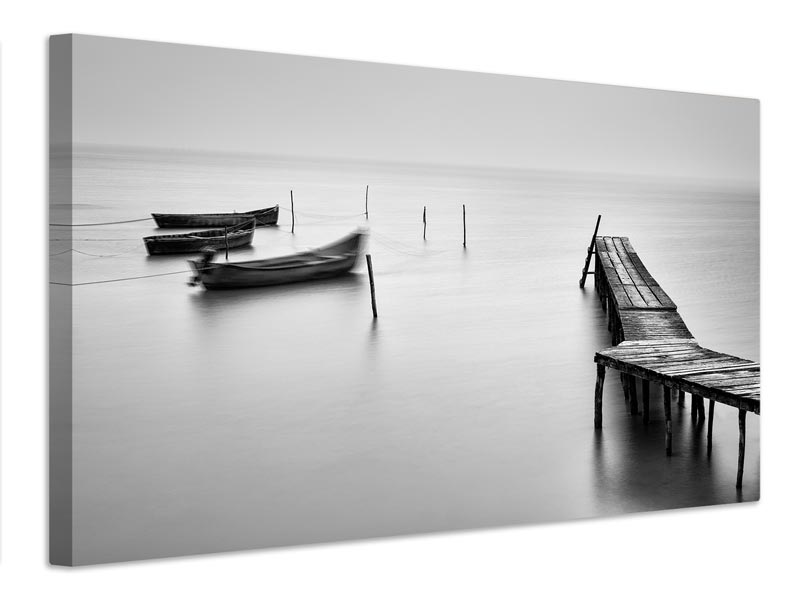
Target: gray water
{"type": "Point", "coordinates": [208, 421]}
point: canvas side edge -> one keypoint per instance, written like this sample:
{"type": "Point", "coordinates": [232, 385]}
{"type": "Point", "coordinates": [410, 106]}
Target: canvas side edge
{"type": "Point", "coordinates": [60, 165]}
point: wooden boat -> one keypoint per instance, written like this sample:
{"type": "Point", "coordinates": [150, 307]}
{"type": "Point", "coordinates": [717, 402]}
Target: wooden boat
{"type": "Point", "coordinates": [327, 261]}
{"type": "Point", "coordinates": [264, 216]}
{"type": "Point", "coordinates": [197, 241]}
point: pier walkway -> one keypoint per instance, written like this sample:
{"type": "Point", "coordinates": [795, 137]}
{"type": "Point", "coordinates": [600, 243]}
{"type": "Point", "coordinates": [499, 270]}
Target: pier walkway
{"type": "Point", "coordinates": [652, 343]}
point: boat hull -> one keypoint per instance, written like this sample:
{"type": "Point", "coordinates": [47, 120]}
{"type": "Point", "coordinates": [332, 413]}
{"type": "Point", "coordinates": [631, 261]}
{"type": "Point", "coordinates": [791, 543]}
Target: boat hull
{"type": "Point", "coordinates": [263, 217]}
{"type": "Point", "coordinates": [192, 243]}
{"type": "Point", "coordinates": [330, 261]}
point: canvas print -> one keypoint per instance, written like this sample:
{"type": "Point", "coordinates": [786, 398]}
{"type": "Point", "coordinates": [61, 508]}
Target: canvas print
{"type": "Point", "coordinates": [298, 300]}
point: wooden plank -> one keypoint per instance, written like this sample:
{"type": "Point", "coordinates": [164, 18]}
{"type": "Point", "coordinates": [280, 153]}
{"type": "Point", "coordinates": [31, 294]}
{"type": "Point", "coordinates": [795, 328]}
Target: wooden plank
{"type": "Point", "coordinates": [619, 268]}
{"type": "Point", "coordinates": [637, 301]}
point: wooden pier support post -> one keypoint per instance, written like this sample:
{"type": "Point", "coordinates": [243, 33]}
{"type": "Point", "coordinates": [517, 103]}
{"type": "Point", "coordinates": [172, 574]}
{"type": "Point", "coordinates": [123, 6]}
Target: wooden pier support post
{"type": "Point", "coordinates": [645, 401]}
{"type": "Point", "coordinates": [372, 287]}
{"type": "Point", "coordinates": [681, 397]}
{"type": "Point", "coordinates": [226, 243]}
{"type": "Point", "coordinates": [626, 390]}
{"type": "Point", "coordinates": [424, 222]}
{"type": "Point", "coordinates": [464, 220]}
{"type": "Point", "coordinates": [291, 195]}
{"type": "Point", "coordinates": [366, 204]}
{"type": "Point", "coordinates": [740, 471]}
{"type": "Point", "coordinates": [710, 425]}
{"type": "Point", "coordinates": [701, 408]}
{"type": "Point", "coordinates": [598, 397]}
{"type": "Point", "coordinates": [632, 392]}
{"type": "Point", "coordinates": [670, 395]}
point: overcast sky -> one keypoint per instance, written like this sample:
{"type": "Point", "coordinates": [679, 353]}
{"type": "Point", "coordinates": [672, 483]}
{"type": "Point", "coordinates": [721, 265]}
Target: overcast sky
{"type": "Point", "coordinates": [178, 96]}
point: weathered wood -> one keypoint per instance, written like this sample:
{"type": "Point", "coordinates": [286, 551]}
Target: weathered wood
{"type": "Point", "coordinates": [589, 253]}
{"type": "Point", "coordinates": [699, 407]}
{"type": "Point", "coordinates": [372, 287]}
{"type": "Point", "coordinates": [617, 257]}
{"type": "Point", "coordinates": [291, 196]}
{"type": "Point", "coordinates": [598, 397]}
{"type": "Point", "coordinates": [740, 471]}
{"type": "Point", "coordinates": [632, 392]}
{"type": "Point", "coordinates": [652, 342]}
{"type": "Point", "coordinates": [670, 396]}
{"type": "Point", "coordinates": [464, 219]}
{"type": "Point", "coordinates": [737, 382]}
{"type": "Point", "coordinates": [710, 424]}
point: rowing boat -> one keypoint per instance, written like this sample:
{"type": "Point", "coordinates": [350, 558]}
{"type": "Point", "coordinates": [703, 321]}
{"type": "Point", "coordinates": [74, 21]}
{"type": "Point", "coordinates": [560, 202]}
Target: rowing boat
{"type": "Point", "coordinates": [327, 261]}
{"type": "Point", "coordinates": [196, 241]}
{"type": "Point", "coordinates": [264, 216]}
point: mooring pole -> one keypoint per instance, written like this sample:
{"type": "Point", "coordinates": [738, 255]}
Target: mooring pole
{"type": "Point", "coordinates": [372, 287]}
{"type": "Point", "coordinates": [366, 204]}
{"type": "Point", "coordinates": [424, 222]}
{"type": "Point", "coordinates": [589, 252]}
{"type": "Point", "coordinates": [291, 195]}
{"type": "Point", "coordinates": [464, 219]}
{"type": "Point", "coordinates": [226, 242]}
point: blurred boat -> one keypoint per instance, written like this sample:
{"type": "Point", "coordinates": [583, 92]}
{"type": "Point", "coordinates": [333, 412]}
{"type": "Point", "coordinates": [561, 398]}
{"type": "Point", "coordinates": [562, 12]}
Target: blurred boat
{"type": "Point", "coordinates": [334, 259]}
{"type": "Point", "coordinates": [264, 216]}
{"type": "Point", "coordinates": [196, 241]}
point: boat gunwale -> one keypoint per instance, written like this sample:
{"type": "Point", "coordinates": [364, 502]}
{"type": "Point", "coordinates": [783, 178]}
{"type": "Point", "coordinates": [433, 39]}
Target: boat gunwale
{"type": "Point", "coordinates": [348, 239]}
{"type": "Point", "coordinates": [247, 214]}
{"type": "Point", "coordinates": [239, 230]}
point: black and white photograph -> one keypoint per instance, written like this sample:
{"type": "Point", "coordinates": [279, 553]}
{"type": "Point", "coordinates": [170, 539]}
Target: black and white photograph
{"type": "Point", "coordinates": [299, 300]}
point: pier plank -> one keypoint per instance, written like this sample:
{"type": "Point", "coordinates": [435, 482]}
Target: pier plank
{"type": "Point", "coordinates": [621, 259]}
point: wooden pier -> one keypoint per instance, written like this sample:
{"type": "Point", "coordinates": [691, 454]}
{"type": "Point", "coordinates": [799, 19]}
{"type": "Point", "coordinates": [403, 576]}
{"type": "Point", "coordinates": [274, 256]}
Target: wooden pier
{"type": "Point", "coordinates": [653, 344]}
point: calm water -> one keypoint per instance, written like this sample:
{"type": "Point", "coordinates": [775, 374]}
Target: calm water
{"type": "Point", "coordinates": [207, 421]}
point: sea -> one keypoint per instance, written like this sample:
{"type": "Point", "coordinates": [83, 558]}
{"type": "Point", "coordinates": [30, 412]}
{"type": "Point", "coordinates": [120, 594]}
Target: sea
{"type": "Point", "coordinates": [206, 421]}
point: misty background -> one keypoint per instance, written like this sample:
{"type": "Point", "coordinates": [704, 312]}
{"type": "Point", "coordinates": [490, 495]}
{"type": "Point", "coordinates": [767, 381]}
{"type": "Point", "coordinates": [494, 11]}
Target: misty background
{"type": "Point", "coordinates": [135, 93]}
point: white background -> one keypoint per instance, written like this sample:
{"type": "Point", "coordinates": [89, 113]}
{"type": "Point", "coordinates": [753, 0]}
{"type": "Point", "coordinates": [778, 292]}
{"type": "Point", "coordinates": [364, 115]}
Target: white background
{"type": "Point", "coordinates": [731, 48]}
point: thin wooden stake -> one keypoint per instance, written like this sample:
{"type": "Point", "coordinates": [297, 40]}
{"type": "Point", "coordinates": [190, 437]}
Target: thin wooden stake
{"type": "Point", "coordinates": [291, 195]}
{"type": "Point", "coordinates": [424, 222]}
{"type": "Point", "coordinates": [464, 218]}
{"type": "Point", "coordinates": [740, 471]}
{"type": "Point", "coordinates": [589, 252]}
{"type": "Point", "coordinates": [366, 204]}
{"type": "Point", "coordinates": [372, 287]}
{"type": "Point", "coordinates": [226, 243]}
{"type": "Point", "coordinates": [598, 397]}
